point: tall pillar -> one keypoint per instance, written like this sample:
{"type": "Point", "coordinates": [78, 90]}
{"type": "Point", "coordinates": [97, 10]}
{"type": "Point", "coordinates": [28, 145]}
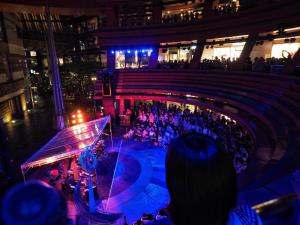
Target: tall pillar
{"type": "Point", "coordinates": [7, 66]}
{"type": "Point", "coordinates": [157, 12]}
{"type": "Point", "coordinates": [57, 92]}
{"type": "Point", "coordinates": [111, 59]}
{"type": "Point", "coordinates": [290, 66]}
{"type": "Point", "coordinates": [207, 9]}
{"type": "Point", "coordinates": [28, 91]}
{"type": "Point", "coordinates": [197, 54]}
{"type": "Point", "coordinates": [250, 42]}
{"type": "Point", "coordinates": [131, 103]}
{"type": "Point", "coordinates": [153, 60]}
{"type": "Point", "coordinates": [109, 108]}
{"type": "Point", "coordinates": [122, 106]}
{"type": "Point", "coordinates": [111, 16]}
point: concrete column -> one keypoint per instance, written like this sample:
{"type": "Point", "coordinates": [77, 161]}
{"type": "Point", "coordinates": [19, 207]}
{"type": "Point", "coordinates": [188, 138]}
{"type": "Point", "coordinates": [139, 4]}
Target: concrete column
{"type": "Point", "coordinates": [207, 9]}
{"type": "Point", "coordinates": [122, 106]}
{"type": "Point", "coordinates": [28, 91]}
{"type": "Point", "coordinates": [197, 54]}
{"type": "Point", "coordinates": [57, 92]}
{"type": "Point", "coordinates": [111, 59]}
{"type": "Point", "coordinates": [108, 105]}
{"type": "Point", "coordinates": [250, 43]}
{"type": "Point", "coordinates": [157, 12]}
{"type": "Point", "coordinates": [111, 16]}
{"type": "Point", "coordinates": [153, 60]}
{"type": "Point", "coordinates": [290, 66]}
{"type": "Point", "coordinates": [131, 103]}
{"type": "Point", "coordinates": [7, 66]}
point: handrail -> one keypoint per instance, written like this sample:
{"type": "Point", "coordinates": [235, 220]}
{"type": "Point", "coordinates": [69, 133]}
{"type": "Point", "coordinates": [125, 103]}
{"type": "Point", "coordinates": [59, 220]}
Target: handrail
{"type": "Point", "coordinates": [276, 202]}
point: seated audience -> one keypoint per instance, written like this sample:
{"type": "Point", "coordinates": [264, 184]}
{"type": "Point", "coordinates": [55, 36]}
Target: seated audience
{"type": "Point", "coordinates": [159, 124]}
{"type": "Point", "coordinates": [183, 17]}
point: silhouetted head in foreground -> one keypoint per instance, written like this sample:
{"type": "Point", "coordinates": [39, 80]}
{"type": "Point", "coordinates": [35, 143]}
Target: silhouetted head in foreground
{"type": "Point", "coordinates": [201, 181]}
{"type": "Point", "coordinates": [33, 203]}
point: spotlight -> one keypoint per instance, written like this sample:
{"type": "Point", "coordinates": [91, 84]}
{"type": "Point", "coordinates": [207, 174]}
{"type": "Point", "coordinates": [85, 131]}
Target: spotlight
{"type": "Point", "coordinates": [135, 51]}
{"type": "Point", "coordinates": [128, 51]}
{"type": "Point", "coordinates": [112, 52]}
{"type": "Point", "coordinates": [143, 50]}
{"type": "Point", "coordinates": [151, 50]}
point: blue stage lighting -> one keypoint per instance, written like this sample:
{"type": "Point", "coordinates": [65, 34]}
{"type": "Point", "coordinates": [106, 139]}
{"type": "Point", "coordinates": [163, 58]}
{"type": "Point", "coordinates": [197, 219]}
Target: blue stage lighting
{"type": "Point", "coordinates": [112, 52]}
{"type": "Point", "coordinates": [128, 51]}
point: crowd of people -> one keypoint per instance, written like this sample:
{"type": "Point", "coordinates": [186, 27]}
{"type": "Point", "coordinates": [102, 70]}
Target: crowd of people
{"type": "Point", "coordinates": [228, 8]}
{"type": "Point", "coordinates": [173, 64]}
{"type": "Point", "coordinates": [259, 64]}
{"type": "Point", "coordinates": [184, 17]}
{"type": "Point", "coordinates": [267, 65]}
{"type": "Point", "coordinates": [126, 21]}
{"type": "Point", "coordinates": [217, 63]}
{"type": "Point", "coordinates": [159, 124]}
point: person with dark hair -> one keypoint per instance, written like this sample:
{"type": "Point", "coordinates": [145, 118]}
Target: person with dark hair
{"type": "Point", "coordinates": [34, 203]}
{"type": "Point", "coordinates": [201, 181]}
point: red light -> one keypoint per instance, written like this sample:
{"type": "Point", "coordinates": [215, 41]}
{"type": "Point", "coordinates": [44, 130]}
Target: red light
{"type": "Point", "coordinates": [78, 111]}
{"type": "Point", "coordinates": [73, 121]}
{"type": "Point", "coordinates": [73, 116]}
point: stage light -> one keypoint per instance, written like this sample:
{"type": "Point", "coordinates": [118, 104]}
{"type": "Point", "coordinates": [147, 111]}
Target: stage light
{"type": "Point", "coordinates": [80, 120]}
{"type": "Point", "coordinates": [135, 51]}
{"type": "Point", "coordinates": [73, 116]}
{"type": "Point", "coordinates": [79, 115]}
{"type": "Point", "coordinates": [128, 51]}
{"type": "Point", "coordinates": [112, 52]}
{"type": "Point", "coordinates": [121, 52]}
{"type": "Point", "coordinates": [78, 111]}
{"type": "Point", "coordinates": [143, 50]}
{"type": "Point", "coordinates": [151, 50]}
{"type": "Point", "coordinates": [13, 121]}
{"type": "Point", "coordinates": [73, 121]}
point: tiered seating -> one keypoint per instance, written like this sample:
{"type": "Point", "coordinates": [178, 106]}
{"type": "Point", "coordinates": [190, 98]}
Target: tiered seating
{"type": "Point", "coordinates": [268, 105]}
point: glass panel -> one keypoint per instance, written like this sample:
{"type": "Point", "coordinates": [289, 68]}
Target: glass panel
{"type": "Point", "coordinates": [284, 50]}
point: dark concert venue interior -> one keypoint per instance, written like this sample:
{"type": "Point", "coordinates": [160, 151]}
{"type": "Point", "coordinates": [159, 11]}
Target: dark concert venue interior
{"type": "Point", "coordinates": [170, 112]}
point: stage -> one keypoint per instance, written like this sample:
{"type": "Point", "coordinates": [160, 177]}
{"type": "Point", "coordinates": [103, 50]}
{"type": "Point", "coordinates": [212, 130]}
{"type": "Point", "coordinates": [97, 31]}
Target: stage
{"type": "Point", "coordinates": [138, 182]}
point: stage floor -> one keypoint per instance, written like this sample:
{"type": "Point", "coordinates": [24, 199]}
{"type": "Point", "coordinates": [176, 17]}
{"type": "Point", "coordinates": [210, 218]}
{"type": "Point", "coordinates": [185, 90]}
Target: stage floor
{"type": "Point", "coordinates": [138, 185]}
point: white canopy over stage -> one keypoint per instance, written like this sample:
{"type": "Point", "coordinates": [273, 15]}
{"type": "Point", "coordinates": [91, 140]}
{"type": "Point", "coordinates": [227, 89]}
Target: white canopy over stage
{"type": "Point", "coordinates": [67, 143]}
